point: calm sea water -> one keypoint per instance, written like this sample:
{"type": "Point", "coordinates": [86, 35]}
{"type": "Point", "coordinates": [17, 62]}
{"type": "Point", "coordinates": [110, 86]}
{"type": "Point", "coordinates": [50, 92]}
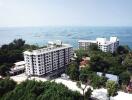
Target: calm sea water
{"type": "Point", "coordinates": [40, 35]}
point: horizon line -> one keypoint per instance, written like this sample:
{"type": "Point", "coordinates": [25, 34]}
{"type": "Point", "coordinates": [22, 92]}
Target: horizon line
{"type": "Point", "coordinates": [61, 26]}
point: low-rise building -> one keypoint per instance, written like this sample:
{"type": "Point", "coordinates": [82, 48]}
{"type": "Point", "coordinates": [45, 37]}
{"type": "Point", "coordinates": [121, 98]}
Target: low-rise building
{"type": "Point", "coordinates": [110, 76]}
{"type": "Point", "coordinates": [19, 67]}
{"type": "Point", "coordinates": [103, 44]}
{"type": "Point", "coordinates": [50, 60]}
{"type": "Point", "coordinates": [84, 44]}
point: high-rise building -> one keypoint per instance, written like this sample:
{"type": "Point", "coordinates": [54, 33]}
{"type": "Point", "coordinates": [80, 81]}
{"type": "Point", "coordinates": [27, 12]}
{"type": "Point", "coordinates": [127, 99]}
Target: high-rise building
{"type": "Point", "coordinates": [54, 58]}
{"type": "Point", "coordinates": [103, 44]}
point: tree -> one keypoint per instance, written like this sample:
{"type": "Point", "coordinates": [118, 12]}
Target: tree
{"type": "Point", "coordinates": [4, 69]}
{"type": "Point", "coordinates": [18, 43]}
{"type": "Point", "coordinates": [11, 53]}
{"type": "Point", "coordinates": [33, 90]}
{"type": "Point", "coordinates": [93, 47]}
{"type": "Point", "coordinates": [73, 71]}
{"type": "Point", "coordinates": [112, 88]}
{"type": "Point", "coordinates": [128, 61]}
{"type": "Point", "coordinates": [90, 77]}
{"type": "Point", "coordinates": [81, 53]}
{"type": "Point", "coordinates": [103, 81]}
{"type": "Point", "coordinates": [124, 77]}
{"type": "Point", "coordinates": [85, 74]}
{"type": "Point", "coordinates": [88, 93]}
{"type": "Point", "coordinates": [96, 81]}
{"type": "Point", "coordinates": [98, 64]}
{"type": "Point", "coordinates": [6, 85]}
{"type": "Point", "coordinates": [122, 50]}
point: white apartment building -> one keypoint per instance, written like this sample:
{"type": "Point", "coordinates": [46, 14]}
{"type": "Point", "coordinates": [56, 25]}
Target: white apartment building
{"type": "Point", "coordinates": [103, 44]}
{"type": "Point", "coordinates": [19, 67]}
{"type": "Point", "coordinates": [55, 57]}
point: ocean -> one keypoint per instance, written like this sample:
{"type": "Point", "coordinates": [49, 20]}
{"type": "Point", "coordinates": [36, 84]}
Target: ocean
{"type": "Point", "coordinates": [41, 35]}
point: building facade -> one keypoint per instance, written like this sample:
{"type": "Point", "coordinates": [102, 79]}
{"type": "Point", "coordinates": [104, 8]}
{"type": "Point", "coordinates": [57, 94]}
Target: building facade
{"type": "Point", "coordinates": [84, 44]}
{"type": "Point", "coordinates": [19, 67]}
{"type": "Point", "coordinates": [48, 60]}
{"type": "Point", "coordinates": [103, 44]}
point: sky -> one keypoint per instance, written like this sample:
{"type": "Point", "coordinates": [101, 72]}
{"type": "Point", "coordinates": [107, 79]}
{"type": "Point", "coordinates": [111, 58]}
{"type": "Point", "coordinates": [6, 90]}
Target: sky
{"type": "Point", "coordinates": [22, 13]}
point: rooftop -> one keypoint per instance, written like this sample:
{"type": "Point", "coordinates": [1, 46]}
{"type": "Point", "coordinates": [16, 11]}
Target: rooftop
{"type": "Point", "coordinates": [19, 63]}
{"type": "Point", "coordinates": [91, 41]}
{"type": "Point", "coordinates": [109, 76]}
{"type": "Point", "coordinates": [103, 40]}
{"type": "Point", "coordinates": [50, 48]}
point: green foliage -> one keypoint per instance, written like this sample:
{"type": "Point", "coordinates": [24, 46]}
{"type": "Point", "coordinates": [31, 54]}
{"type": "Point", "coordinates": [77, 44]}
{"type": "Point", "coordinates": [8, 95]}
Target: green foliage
{"type": "Point", "coordinates": [122, 50]}
{"type": "Point", "coordinates": [98, 82]}
{"type": "Point", "coordinates": [98, 64]}
{"type": "Point", "coordinates": [116, 69]}
{"type": "Point", "coordinates": [116, 63]}
{"type": "Point", "coordinates": [112, 88]}
{"type": "Point", "coordinates": [124, 77]}
{"type": "Point", "coordinates": [85, 53]}
{"type": "Point", "coordinates": [81, 53]}
{"type": "Point", "coordinates": [11, 53]}
{"type": "Point", "coordinates": [78, 84]}
{"type": "Point", "coordinates": [6, 85]}
{"type": "Point", "coordinates": [128, 60]}
{"type": "Point", "coordinates": [83, 77]}
{"type": "Point", "coordinates": [88, 94]}
{"type": "Point", "coordinates": [33, 90]}
{"type": "Point", "coordinates": [73, 70]}
{"type": "Point", "coordinates": [103, 81]}
{"type": "Point", "coordinates": [108, 63]}
{"type": "Point", "coordinates": [4, 69]}
{"type": "Point", "coordinates": [86, 75]}
{"type": "Point", "coordinates": [93, 47]}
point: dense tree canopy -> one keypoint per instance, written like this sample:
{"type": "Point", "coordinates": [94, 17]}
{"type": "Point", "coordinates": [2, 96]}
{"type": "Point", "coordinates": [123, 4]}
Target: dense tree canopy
{"type": "Point", "coordinates": [93, 47]}
{"type": "Point", "coordinates": [98, 82]}
{"type": "Point", "coordinates": [122, 50]}
{"type": "Point", "coordinates": [11, 53]}
{"type": "Point", "coordinates": [117, 63]}
{"type": "Point", "coordinates": [81, 53]}
{"type": "Point", "coordinates": [6, 85]}
{"type": "Point", "coordinates": [73, 70]}
{"type": "Point", "coordinates": [4, 69]}
{"type": "Point", "coordinates": [107, 62]}
{"type": "Point", "coordinates": [98, 64]}
{"type": "Point", "coordinates": [128, 60]}
{"type": "Point", "coordinates": [124, 77]}
{"type": "Point", "coordinates": [86, 75]}
{"type": "Point", "coordinates": [32, 90]}
{"type": "Point", "coordinates": [89, 77]}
